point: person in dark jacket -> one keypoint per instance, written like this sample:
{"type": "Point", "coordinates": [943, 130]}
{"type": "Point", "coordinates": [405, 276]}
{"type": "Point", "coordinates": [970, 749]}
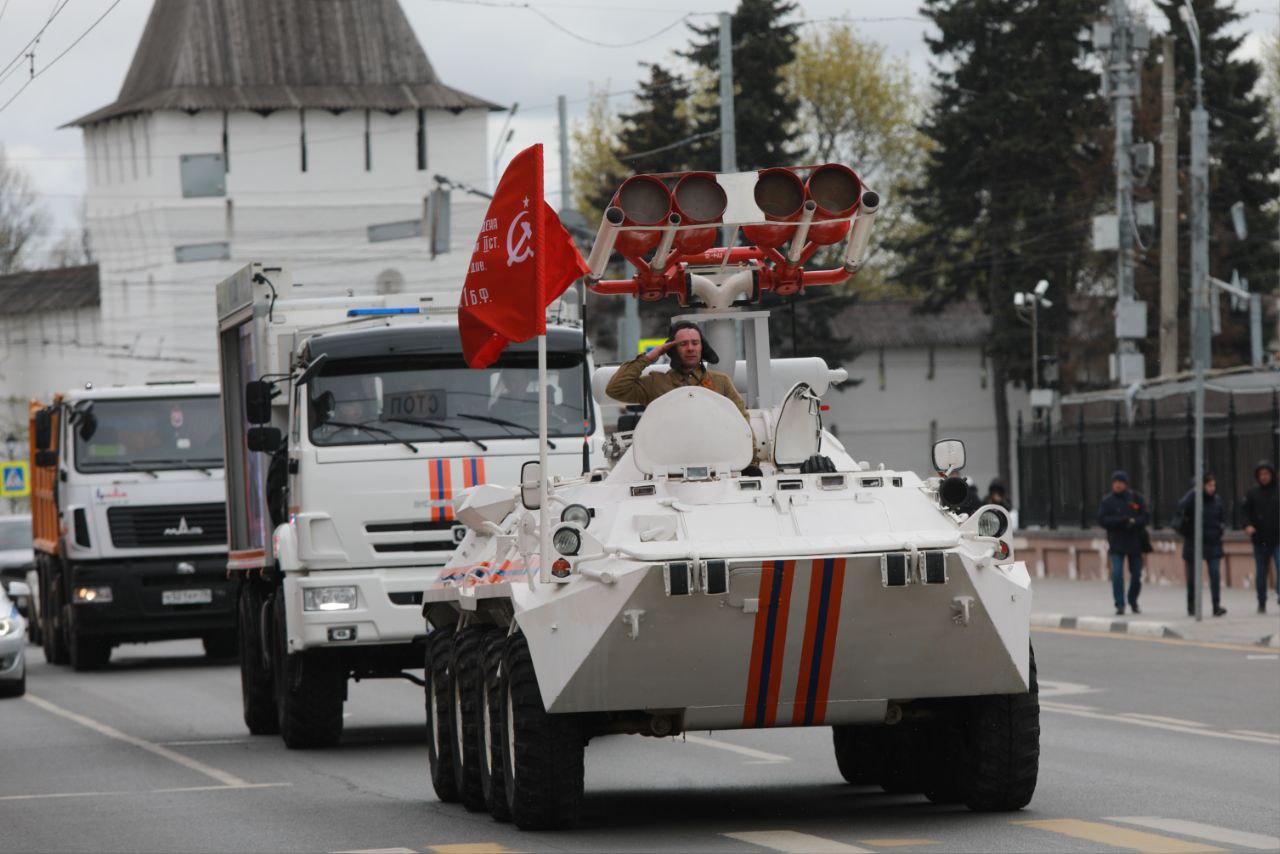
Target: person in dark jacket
{"type": "Point", "coordinates": [1214, 523]}
{"type": "Point", "coordinates": [1262, 523]}
{"type": "Point", "coordinates": [997, 494]}
{"type": "Point", "coordinates": [1124, 515]}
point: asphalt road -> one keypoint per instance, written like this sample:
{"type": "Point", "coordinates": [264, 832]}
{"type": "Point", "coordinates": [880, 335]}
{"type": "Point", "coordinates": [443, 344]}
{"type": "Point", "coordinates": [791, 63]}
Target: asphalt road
{"type": "Point", "coordinates": [1147, 745]}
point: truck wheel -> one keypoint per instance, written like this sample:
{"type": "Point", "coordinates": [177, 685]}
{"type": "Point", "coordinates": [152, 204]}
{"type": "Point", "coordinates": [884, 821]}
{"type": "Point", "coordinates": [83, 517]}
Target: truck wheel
{"type": "Point", "coordinates": [439, 703]}
{"type": "Point", "coordinates": [857, 753]}
{"type": "Point", "coordinates": [467, 692]}
{"type": "Point", "coordinates": [310, 690]}
{"type": "Point", "coordinates": [87, 652]}
{"type": "Point", "coordinates": [1001, 750]}
{"type": "Point", "coordinates": [257, 691]}
{"type": "Point", "coordinates": [55, 635]}
{"type": "Point", "coordinates": [542, 753]}
{"type": "Point", "coordinates": [222, 645]}
{"type": "Point", "coordinates": [491, 737]}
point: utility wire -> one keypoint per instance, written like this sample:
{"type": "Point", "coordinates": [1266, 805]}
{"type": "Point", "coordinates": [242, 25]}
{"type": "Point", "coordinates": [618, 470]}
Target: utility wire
{"type": "Point", "coordinates": [59, 56]}
{"type": "Point", "coordinates": [23, 50]}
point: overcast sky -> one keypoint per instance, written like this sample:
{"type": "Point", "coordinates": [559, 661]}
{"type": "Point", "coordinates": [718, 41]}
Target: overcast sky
{"type": "Point", "coordinates": [490, 48]}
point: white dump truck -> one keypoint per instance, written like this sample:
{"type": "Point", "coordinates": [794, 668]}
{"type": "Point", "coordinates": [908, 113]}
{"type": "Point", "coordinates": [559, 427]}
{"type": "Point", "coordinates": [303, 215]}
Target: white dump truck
{"type": "Point", "coordinates": [731, 572]}
{"type": "Point", "coordinates": [351, 424]}
{"type": "Point", "coordinates": [128, 521]}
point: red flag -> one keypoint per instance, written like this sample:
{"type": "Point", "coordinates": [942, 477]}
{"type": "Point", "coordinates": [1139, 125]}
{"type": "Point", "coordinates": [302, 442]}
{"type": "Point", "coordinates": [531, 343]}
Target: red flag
{"type": "Point", "coordinates": [523, 260]}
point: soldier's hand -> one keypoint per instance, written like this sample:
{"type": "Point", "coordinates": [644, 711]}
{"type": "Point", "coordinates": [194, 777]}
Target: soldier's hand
{"type": "Point", "coordinates": [653, 354]}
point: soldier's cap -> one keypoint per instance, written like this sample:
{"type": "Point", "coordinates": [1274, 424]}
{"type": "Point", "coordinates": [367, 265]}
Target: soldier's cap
{"type": "Point", "coordinates": [708, 354]}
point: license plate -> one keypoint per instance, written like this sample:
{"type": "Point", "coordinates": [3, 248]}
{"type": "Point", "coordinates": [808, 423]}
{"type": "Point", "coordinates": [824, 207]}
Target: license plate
{"type": "Point", "coordinates": [186, 597]}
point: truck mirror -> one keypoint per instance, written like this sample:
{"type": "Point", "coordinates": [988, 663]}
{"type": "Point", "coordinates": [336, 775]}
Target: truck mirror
{"type": "Point", "coordinates": [46, 459]}
{"type": "Point", "coordinates": [266, 440]}
{"type": "Point", "coordinates": [87, 424]}
{"type": "Point", "coordinates": [257, 402]}
{"type": "Point", "coordinates": [530, 475]}
{"type": "Point", "coordinates": [948, 456]}
{"type": "Point", "coordinates": [44, 429]}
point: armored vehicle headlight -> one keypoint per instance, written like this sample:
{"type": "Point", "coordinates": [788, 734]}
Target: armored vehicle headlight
{"type": "Point", "coordinates": [577, 514]}
{"type": "Point", "coordinates": [328, 598]}
{"type": "Point", "coordinates": [566, 540]}
{"type": "Point", "coordinates": [992, 523]}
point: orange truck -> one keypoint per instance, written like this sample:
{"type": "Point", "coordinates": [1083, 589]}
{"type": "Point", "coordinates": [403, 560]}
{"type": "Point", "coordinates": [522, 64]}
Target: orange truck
{"type": "Point", "coordinates": [128, 516]}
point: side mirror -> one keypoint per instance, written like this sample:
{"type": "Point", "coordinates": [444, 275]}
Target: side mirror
{"type": "Point", "coordinates": [87, 425]}
{"type": "Point", "coordinates": [44, 429]}
{"type": "Point", "coordinates": [953, 491]}
{"type": "Point", "coordinates": [257, 402]}
{"type": "Point", "coordinates": [530, 478]}
{"type": "Point", "coordinates": [46, 459]}
{"type": "Point", "coordinates": [265, 440]}
{"type": "Point", "coordinates": [948, 456]}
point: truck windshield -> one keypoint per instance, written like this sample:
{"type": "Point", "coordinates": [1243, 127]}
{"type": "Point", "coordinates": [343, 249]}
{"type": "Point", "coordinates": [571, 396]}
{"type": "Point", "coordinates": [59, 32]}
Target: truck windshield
{"type": "Point", "coordinates": [437, 398]}
{"type": "Point", "coordinates": [150, 433]}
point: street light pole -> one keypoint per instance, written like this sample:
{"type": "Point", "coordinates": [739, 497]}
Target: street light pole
{"type": "Point", "coordinates": [1201, 342]}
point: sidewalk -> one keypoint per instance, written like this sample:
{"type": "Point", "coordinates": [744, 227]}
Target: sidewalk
{"type": "Point", "coordinates": [1087, 605]}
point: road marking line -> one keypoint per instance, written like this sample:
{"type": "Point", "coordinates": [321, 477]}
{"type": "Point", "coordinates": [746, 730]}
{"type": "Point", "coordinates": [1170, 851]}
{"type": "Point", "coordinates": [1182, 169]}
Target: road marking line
{"type": "Point", "coordinates": [1054, 707]}
{"type": "Point", "coordinates": [472, 848]}
{"type": "Point", "coordinates": [1225, 835]}
{"type": "Point", "coordinates": [1162, 719]}
{"type": "Point", "coordinates": [1235, 647]}
{"type": "Point", "coordinates": [893, 843]}
{"type": "Point", "coordinates": [142, 792]}
{"type": "Point", "coordinates": [164, 752]}
{"type": "Point", "coordinates": [1050, 688]}
{"type": "Point", "coordinates": [1118, 837]}
{"type": "Point", "coordinates": [1256, 732]}
{"type": "Point", "coordinates": [1075, 706]}
{"type": "Point", "coordinates": [203, 741]}
{"type": "Point", "coordinates": [1262, 657]}
{"type": "Point", "coordinates": [737, 748]}
{"type": "Point", "coordinates": [378, 851]}
{"type": "Point", "coordinates": [791, 842]}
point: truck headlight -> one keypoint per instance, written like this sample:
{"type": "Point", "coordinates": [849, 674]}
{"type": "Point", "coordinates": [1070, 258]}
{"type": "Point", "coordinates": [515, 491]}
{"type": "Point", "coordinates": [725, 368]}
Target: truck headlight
{"type": "Point", "coordinates": [328, 598]}
{"type": "Point", "coordinates": [992, 523]}
{"type": "Point", "coordinates": [97, 595]}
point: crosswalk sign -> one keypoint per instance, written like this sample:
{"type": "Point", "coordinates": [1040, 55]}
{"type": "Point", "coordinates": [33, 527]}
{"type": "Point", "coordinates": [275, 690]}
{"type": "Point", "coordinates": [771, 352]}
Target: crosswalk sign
{"type": "Point", "coordinates": [15, 480]}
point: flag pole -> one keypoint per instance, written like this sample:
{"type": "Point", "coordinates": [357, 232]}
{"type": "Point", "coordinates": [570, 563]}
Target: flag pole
{"type": "Point", "coordinates": [544, 535]}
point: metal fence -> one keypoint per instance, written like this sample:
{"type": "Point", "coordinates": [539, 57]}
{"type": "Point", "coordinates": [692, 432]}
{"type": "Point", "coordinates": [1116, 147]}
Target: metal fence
{"type": "Point", "coordinates": [1064, 469]}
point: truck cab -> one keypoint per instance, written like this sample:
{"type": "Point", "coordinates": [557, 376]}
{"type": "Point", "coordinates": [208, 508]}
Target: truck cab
{"type": "Point", "coordinates": [129, 520]}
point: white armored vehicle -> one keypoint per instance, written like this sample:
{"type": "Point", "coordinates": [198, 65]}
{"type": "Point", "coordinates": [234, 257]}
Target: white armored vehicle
{"type": "Point", "coordinates": [690, 588]}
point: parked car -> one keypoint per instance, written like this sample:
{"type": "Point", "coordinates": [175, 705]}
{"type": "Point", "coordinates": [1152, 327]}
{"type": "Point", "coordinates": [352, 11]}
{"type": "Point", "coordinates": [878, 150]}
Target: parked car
{"type": "Point", "coordinates": [18, 563]}
{"type": "Point", "coordinates": [13, 640]}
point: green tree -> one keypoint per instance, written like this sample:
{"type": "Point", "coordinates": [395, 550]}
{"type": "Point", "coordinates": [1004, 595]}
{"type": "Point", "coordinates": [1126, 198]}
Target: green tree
{"type": "Point", "coordinates": [1244, 158]}
{"type": "Point", "coordinates": [1001, 204]}
{"type": "Point", "coordinates": [765, 111]}
{"type": "Point", "coordinates": [652, 137]}
{"type": "Point", "coordinates": [22, 220]}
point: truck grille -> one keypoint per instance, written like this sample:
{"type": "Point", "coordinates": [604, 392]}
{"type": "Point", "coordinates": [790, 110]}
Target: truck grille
{"type": "Point", "coordinates": [168, 526]}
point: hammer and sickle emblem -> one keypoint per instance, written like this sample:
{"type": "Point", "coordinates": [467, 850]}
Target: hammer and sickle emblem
{"type": "Point", "coordinates": [519, 248]}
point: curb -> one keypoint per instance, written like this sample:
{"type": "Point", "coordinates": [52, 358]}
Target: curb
{"type": "Point", "coordinates": [1104, 625]}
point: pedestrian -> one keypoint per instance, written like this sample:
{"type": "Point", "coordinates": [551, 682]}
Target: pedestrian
{"type": "Point", "coordinates": [1124, 515]}
{"type": "Point", "coordinates": [1213, 525]}
{"type": "Point", "coordinates": [997, 494]}
{"type": "Point", "coordinates": [1262, 524]}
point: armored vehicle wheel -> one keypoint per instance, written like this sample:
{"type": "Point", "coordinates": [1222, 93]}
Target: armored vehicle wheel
{"type": "Point", "coordinates": [221, 645]}
{"type": "Point", "coordinates": [1000, 754]}
{"type": "Point", "coordinates": [310, 689]}
{"type": "Point", "coordinates": [439, 702]}
{"type": "Point", "coordinates": [542, 753]}
{"type": "Point", "coordinates": [87, 652]}
{"type": "Point", "coordinates": [257, 693]}
{"type": "Point", "coordinates": [55, 635]}
{"type": "Point", "coordinates": [857, 754]}
{"type": "Point", "coordinates": [491, 737]}
{"type": "Point", "coordinates": [467, 692]}
{"type": "Point", "coordinates": [902, 759]}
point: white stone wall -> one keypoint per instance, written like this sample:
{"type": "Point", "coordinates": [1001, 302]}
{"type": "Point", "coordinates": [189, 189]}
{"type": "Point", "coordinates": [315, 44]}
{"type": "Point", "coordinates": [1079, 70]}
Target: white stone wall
{"type": "Point", "coordinates": [157, 314]}
{"type": "Point", "coordinates": [895, 425]}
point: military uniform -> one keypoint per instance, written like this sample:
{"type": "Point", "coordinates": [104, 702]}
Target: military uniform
{"type": "Point", "coordinates": [629, 386]}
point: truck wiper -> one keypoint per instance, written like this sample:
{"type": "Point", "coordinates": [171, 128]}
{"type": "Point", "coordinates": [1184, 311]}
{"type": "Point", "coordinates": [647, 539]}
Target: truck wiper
{"type": "Point", "coordinates": [373, 431]}
{"type": "Point", "coordinates": [190, 465]}
{"type": "Point", "coordinates": [439, 425]}
{"type": "Point", "coordinates": [127, 466]}
{"type": "Point", "coordinates": [503, 422]}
